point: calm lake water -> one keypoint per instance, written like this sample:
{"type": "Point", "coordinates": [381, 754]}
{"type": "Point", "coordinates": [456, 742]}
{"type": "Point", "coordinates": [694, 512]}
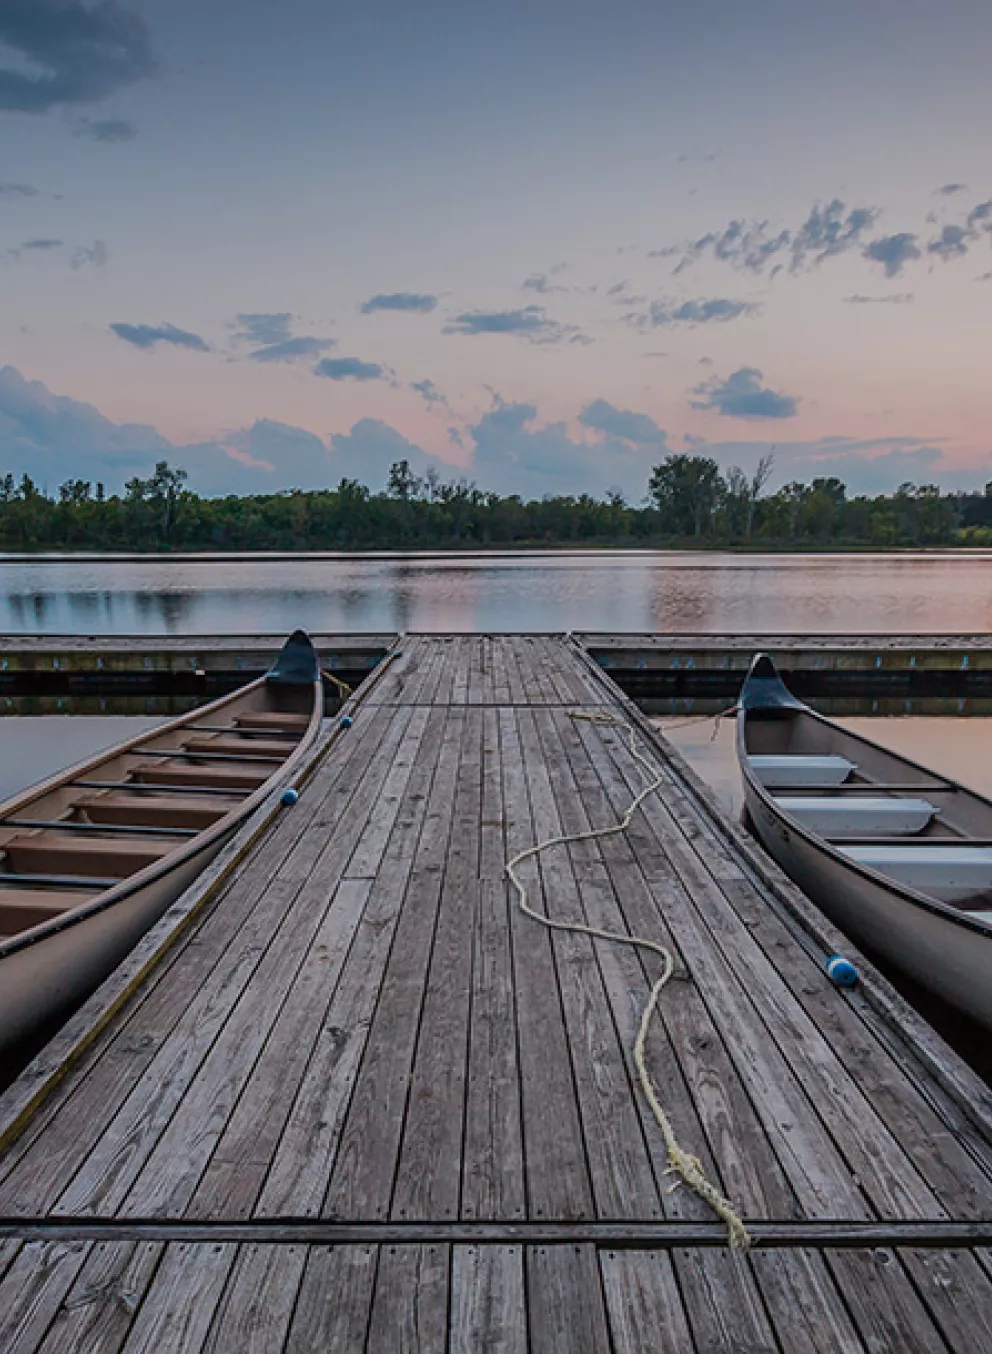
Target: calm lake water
{"type": "Point", "coordinates": [530, 591]}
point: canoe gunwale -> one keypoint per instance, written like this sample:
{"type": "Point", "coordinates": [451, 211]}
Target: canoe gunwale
{"type": "Point", "coordinates": [813, 841]}
{"type": "Point", "coordinates": [203, 841]}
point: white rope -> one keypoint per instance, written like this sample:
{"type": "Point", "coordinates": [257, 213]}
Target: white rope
{"type": "Point", "coordinates": [680, 1162]}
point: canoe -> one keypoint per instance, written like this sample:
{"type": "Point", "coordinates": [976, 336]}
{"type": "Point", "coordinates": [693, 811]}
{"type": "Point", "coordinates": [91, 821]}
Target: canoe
{"type": "Point", "coordinates": [95, 855]}
{"type": "Point", "coordinates": [900, 859]}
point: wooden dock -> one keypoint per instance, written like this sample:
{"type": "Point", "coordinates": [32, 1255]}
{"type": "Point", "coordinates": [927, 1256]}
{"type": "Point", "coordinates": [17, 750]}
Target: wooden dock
{"type": "Point", "coordinates": [360, 1102]}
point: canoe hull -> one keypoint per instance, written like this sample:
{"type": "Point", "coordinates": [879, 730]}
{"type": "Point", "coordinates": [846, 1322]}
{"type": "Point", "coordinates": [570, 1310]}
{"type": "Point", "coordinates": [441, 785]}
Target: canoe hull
{"type": "Point", "coordinates": [946, 957]}
{"type": "Point", "coordinates": [42, 985]}
{"type": "Point", "coordinates": [156, 811]}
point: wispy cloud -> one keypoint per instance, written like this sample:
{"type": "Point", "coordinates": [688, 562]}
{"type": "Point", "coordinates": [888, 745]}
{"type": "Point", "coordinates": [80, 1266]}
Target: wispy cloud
{"type": "Point", "coordinates": [951, 243]}
{"type": "Point", "coordinates": [902, 298]}
{"type": "Point", "coordinates": [263, 328]}
{"type": "Point", "coordinates": [148, 335]}
{"type": "Point", "coordinates": [893, 252]}
{"type": "Point", "coordinates": [530, 323]}
{"type": "Point", "coordinates": [270, 334]}
{"type": "Point", "coordinates": [949, 189]}
{"type": "Point", "coordinates": [81, 52]}
{"type": "Point", "coordinates": [621, 295]}
{"type": "Point", "coordinates": [107, 130]}
{"type": "Point", "coordinates": [429, 393]}
{"type": "Point", "coordinates": [752, 246]}
{"type": "Point", "coordinates": [980, 217]}
{"type": "Point", "coordinates": [542, 283]}
{"type": "Point", "coordinates": [291, 349]}
{"type": "Point", "coordinates": [350, 369]}
{"type": "Point", "coordinates": [42, 244]}
{"type": "Point", "coordinates": [420, 303]}
{"type": "Point", "coordinates": [742, 395]}
{"type": "Point", "coordinates": [18, 190]}
{"type": "Point", "coordinates": [829, 231]}
{"type": "Point", "coordinates": [716, 310]}
{"type": "Point", "coordinates": [94, 255]}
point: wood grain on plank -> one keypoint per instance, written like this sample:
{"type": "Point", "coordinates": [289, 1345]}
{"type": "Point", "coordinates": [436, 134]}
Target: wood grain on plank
{"type": "Point", "coordinates": [886, 1310]}
{"type": "Point", "coordinates": [565, 1305]}
{"type": "Point", "coordinates": [622, 1176]}
{"type": "Point", "coordinates": [97, 1312]}
{"type": "Point", "coordinates": [257, 1307]}
{"type": "Point", "coordinates": [488, 1303]}
{"type": "Point", "coordinates": [643, 1303]}
{"type": "Point", "coordinates": [558, 1183]}
{"type": "Point", "coordinates": [334, 1300]}
{"type": "Point", "coordinates": [288, 986]}
{"type": "Point", "coordinates": [177, 1311]}
{"type": "Point", "coordinates": [33, 1289]}
{"type": "Point", "coordinates": [410, 1302]}
{"type": "Point", "coordinates": [305, 1152]}
{"type": "Point", "coordinates": [492, 1164]}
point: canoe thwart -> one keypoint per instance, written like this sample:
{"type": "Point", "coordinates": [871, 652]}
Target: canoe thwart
{"type": "Point", "coordinates": [873, 817]}
{"type": "Point", "coordinates": [774, 771]}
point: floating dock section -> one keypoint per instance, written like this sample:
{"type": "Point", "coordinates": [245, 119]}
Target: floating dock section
{"type": "Point", "coordinates": [347, 1097]}
{"type": "Point", "coordinates": [52, 668]}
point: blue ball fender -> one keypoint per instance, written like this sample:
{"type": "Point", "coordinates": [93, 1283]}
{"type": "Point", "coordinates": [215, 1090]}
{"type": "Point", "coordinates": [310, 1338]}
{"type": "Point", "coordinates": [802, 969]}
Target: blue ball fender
{"type": "Point", "coordinates": [290, 797]}
{"type": "Point", "coordinates": [841, 971]}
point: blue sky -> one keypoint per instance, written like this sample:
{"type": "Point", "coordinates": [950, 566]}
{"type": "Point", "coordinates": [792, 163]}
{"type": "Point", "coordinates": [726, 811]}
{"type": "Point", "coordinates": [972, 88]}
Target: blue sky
{"type": "Point", "coordinates": [538, 244]}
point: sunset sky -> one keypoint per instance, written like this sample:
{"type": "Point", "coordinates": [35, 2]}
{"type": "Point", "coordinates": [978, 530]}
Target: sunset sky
{"type": "Point", "coordinates": [541, 244]}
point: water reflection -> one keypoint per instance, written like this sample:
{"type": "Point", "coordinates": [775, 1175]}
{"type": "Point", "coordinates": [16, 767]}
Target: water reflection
{"type": "Point", "coordinates": [549, 591]}
{"type": "Point", "coordinates": [34, 749]}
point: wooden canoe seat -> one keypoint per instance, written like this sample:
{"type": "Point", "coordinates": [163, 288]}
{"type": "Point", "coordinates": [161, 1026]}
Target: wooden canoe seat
{"type": "Point", "coordinates": [271, 719]}
{"type": "Point", "coordinates": [863, 817]}
{"type": "Point", "coordinates": [772, 771]}
{"type": "Point", "coordinates": [23, 908]}
{"type": "Point", "coordinates": [953, 874]}
{"type": "Point", "coordinates": [237, 778]}
{"type": "Point", "coordinates": [256, 747]}
{"type": "Point", "coordinates": [65, 854]}
{"type": "Point", "coordinates": [148, 810]}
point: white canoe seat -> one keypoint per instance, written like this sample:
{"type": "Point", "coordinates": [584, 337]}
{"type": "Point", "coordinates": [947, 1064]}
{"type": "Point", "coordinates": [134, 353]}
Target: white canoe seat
{"type": "Point", "coordinates": [866, 816]}
{"type": "Point", "coordinates": [772, 771]}
{"type": "Point", "coordinates": [952, 873]}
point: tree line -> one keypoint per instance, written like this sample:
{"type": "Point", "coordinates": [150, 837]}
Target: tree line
{"type": "Point", "coordinates": [689, 502]}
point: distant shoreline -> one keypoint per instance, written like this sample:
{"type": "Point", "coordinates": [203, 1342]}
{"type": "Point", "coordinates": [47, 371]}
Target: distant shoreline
{"type": "Point", "coordinates": [482, 553]}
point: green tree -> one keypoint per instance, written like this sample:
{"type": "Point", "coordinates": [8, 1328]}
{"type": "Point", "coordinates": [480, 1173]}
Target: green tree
{"type": "Point", "coordinates": [686, 491]}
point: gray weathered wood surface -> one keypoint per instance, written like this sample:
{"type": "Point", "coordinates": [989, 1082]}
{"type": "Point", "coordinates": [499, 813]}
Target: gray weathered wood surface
{"type": "Point", "coordinates": [361, 1027]}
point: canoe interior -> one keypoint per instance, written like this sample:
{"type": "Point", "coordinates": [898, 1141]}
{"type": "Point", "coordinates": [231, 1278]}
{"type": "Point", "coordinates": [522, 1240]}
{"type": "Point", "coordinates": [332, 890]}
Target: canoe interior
{"type": "Point", "coordinates": [882, 811]}
{"type": "Point", "coordinates": [68, 841]}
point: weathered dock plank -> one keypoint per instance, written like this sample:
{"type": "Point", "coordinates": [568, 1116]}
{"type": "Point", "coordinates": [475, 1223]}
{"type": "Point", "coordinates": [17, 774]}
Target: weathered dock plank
{"type": "Point", "coordinates": [267, 1298]}
{"type": "Point", "coordinates": [361, 1028]}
